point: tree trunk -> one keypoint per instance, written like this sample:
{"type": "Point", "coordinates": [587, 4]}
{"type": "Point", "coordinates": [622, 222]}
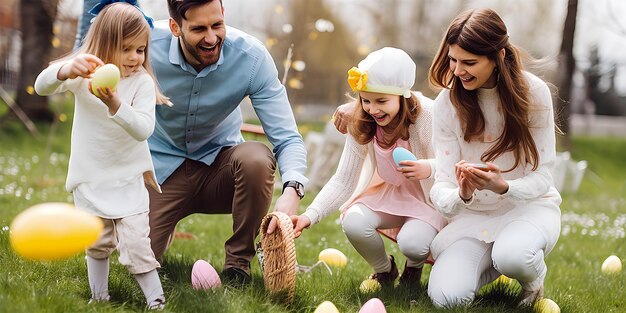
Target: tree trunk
{"type": "Point", "coordinates": [567, 64]}
{"type": "Point", "coordinates": [37, 18]}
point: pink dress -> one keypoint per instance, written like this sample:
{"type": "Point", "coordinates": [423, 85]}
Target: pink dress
{"type": "Point", "coordinates": [394, 194]}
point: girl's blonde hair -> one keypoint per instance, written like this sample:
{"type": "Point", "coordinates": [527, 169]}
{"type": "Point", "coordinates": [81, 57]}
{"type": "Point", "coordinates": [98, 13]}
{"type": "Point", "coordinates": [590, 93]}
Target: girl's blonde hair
{"type": "Point", "coordinates": [105, 38]}
{"type": "Point", "coordinates": [363, 127]}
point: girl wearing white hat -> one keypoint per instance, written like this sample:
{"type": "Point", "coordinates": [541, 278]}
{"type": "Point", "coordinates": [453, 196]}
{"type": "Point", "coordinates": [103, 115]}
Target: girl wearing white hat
{"type": "Point", "coordinates": [393, 201]}
{"type": "Point", "coordinates": [504, 218]}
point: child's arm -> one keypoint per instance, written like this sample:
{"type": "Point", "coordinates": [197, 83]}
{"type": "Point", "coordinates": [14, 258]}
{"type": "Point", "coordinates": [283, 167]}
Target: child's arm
{"type": "Point", "coordinates": [419, 169]}
{"type": "Point", "coordinates": [137, 118]}
{"type": "Point", "coordinates": [58, 77]}
{"type": "Point", "coordinates": [83, 65]}
{"type": "Point", "coordinates": [341, 185]}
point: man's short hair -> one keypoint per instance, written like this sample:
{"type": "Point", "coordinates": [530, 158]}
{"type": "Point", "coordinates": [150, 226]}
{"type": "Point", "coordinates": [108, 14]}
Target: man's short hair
{"type": "Point", "coordinates": [178, 8]}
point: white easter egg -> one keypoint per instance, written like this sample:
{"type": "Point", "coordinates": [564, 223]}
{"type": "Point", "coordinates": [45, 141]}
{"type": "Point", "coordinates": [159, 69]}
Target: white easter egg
{"type": "Point", "coordinates": [326, 307]}
{"type": "Point", "coordinates": [612, 265]}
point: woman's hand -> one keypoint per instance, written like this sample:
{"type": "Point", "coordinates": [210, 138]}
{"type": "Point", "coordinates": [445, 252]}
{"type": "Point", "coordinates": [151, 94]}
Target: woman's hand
{"type": "Point", "coordinates": [82, 65]}
{"type": "Point", "coordinates": [489, 179]}
{"type": "Point", "coordinates": [342, 116]}
{"type": "Point", "coordinates": [411, 170]}
{"type": "Point", "coordinates": [466, 188]}
{"type": "Point", "coordinates": [300, 222]}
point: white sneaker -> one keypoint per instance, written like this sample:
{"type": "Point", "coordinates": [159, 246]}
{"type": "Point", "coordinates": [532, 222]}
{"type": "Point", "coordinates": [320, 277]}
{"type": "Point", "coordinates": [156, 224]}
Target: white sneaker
{"type": "Point", "coordinates": [158, 304]}
{"type": "Point", "coordinates": [101, 300]}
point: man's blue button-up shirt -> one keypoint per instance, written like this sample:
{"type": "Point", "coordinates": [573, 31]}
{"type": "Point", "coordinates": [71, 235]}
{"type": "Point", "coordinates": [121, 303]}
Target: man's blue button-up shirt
{"type": "Point", "coordinates": [205, 115]}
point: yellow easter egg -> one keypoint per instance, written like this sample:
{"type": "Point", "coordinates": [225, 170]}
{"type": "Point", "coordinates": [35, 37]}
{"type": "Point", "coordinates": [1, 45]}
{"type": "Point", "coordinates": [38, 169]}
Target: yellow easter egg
{"type": "Point", "coordinates": [612, 265]}
{"type": "Point", "coordinates": [333, 257]}
{"type": "Point", "coordinates": [369, 286]}
{"type": "Point", "coordinates": [503, 280]}
{"type": "Point", "coordinates": [53, 231]}
{"type": "Point", "coordinates": [546, 305]}
{"type": "Point", "coordinates": [326, 307]}
{"type": "Point", "coordinates": [107, 75]}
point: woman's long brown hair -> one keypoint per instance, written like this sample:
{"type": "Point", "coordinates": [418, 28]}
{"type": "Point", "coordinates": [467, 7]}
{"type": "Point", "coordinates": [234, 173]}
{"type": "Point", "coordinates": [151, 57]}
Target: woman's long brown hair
{"type": "Point", "coordinates": [482, 32]}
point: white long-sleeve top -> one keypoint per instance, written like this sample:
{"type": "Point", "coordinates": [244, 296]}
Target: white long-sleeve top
{"type": "Point", "coordinates": [357, 165]}
{"type": "Point", "coordinates": [531, 197]}
{"type": "Point", "coordinates": [104, 147]}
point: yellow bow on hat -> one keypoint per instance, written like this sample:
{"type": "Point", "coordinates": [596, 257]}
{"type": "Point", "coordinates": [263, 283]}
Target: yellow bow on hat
{"type": "Point", "coordinates": [357, 79]}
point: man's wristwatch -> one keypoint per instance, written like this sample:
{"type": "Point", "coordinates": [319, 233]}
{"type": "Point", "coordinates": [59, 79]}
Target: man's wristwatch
{"type": "Point", "coordinates": [295, 185]}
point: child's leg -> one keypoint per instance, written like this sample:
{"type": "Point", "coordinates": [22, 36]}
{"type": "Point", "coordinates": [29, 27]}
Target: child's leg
{"type": "Point", "coordinates": [136, 254]}
{"type": "Point", "coordinates": [518, 253]}
{"type": "Point", "coordinates": [152, 289]}
{"type": "Point", "coordinates": [98, 262]}
{"type": "Point", "coordinates": [98, 274]}
{"type": "Point", "coordinates": [414, 241]}
{"type": "Point", "coordinates": [359, 224]}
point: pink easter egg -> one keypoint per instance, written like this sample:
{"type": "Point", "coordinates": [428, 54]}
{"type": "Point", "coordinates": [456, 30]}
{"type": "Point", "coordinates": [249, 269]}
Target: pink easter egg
{"type": "Point", "coordinates": [373, 305]}
{"type": "Point", "coordinates": [204, 276]}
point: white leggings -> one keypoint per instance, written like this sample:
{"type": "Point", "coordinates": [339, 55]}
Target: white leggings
{"type": "Point", "coordinates": [360, 223]}
{"type": "Point", "coordinates": [468, 264]}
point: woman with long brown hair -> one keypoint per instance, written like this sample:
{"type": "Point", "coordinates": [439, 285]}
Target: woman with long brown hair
{"type": "Point", "coordinates": [494, 138]}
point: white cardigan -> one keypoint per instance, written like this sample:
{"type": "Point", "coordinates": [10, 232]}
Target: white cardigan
{"type": "Point", "coordinates": [531, 197]}
{"type": "Point", "coordinates": [107, 147]}
{"type": "Point", "coordinates": [354, 174]}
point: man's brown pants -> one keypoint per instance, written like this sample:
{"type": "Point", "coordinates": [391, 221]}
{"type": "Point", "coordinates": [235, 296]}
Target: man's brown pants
{"type": "Point", "coordinates": [240, 182]}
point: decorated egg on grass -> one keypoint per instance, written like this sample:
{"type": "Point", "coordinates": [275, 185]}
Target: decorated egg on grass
{"type": "Point", "coordinates": [107, 75]}
{"type": "Point", "coordinates": [373, 305]}
{"type": "Point", "coordinates": [53, 231]}
{"type": "Point", "coordinates": [369, 286]}
{"type": "Point", "coordinates": [612, 265]}
{"type": "Point", "coordinates": [401, 154]}
{"type": "Point", "coordinates": [204, 276]}
{"type": "Point", "coordinates": [326, 307]}
{"type": "Point", "coordinates": [503, 280]}
{"type": "Point", "coordinates": [546, 305]}
{"type": "Point", "coordinates": [333, 257]}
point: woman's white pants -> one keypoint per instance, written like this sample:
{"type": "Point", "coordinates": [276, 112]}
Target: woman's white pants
{"type": "Point", "coordinates": [468, 264]}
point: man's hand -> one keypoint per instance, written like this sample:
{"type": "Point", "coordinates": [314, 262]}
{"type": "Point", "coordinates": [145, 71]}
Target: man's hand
{"type": "Point", "coordinates": [288, 204]}
{"type": "Point", "coordinates": [343, 116]}
{"type": "Point", "coordinates": [300, 222]}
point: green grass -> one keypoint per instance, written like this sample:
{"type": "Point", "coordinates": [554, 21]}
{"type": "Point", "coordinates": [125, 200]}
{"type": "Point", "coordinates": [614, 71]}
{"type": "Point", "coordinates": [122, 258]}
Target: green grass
{"type": "Point", "coordinates": [33, 171]}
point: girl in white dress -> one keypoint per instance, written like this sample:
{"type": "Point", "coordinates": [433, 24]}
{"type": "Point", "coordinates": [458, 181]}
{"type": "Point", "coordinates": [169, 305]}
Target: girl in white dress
{"type": "Point", "coordinates": [504, 218]}
{"type": "Point", "coordinates": [396, 203]}
{"type": "Point", "coordinates": [110, 161]}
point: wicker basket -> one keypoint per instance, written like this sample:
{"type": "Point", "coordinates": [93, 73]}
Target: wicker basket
{"type": "Point", "coordinates": [278, 254]}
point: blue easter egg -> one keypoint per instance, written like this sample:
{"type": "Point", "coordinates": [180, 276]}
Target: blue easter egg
{"type": "Point", "coordinates": [402, 154]}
